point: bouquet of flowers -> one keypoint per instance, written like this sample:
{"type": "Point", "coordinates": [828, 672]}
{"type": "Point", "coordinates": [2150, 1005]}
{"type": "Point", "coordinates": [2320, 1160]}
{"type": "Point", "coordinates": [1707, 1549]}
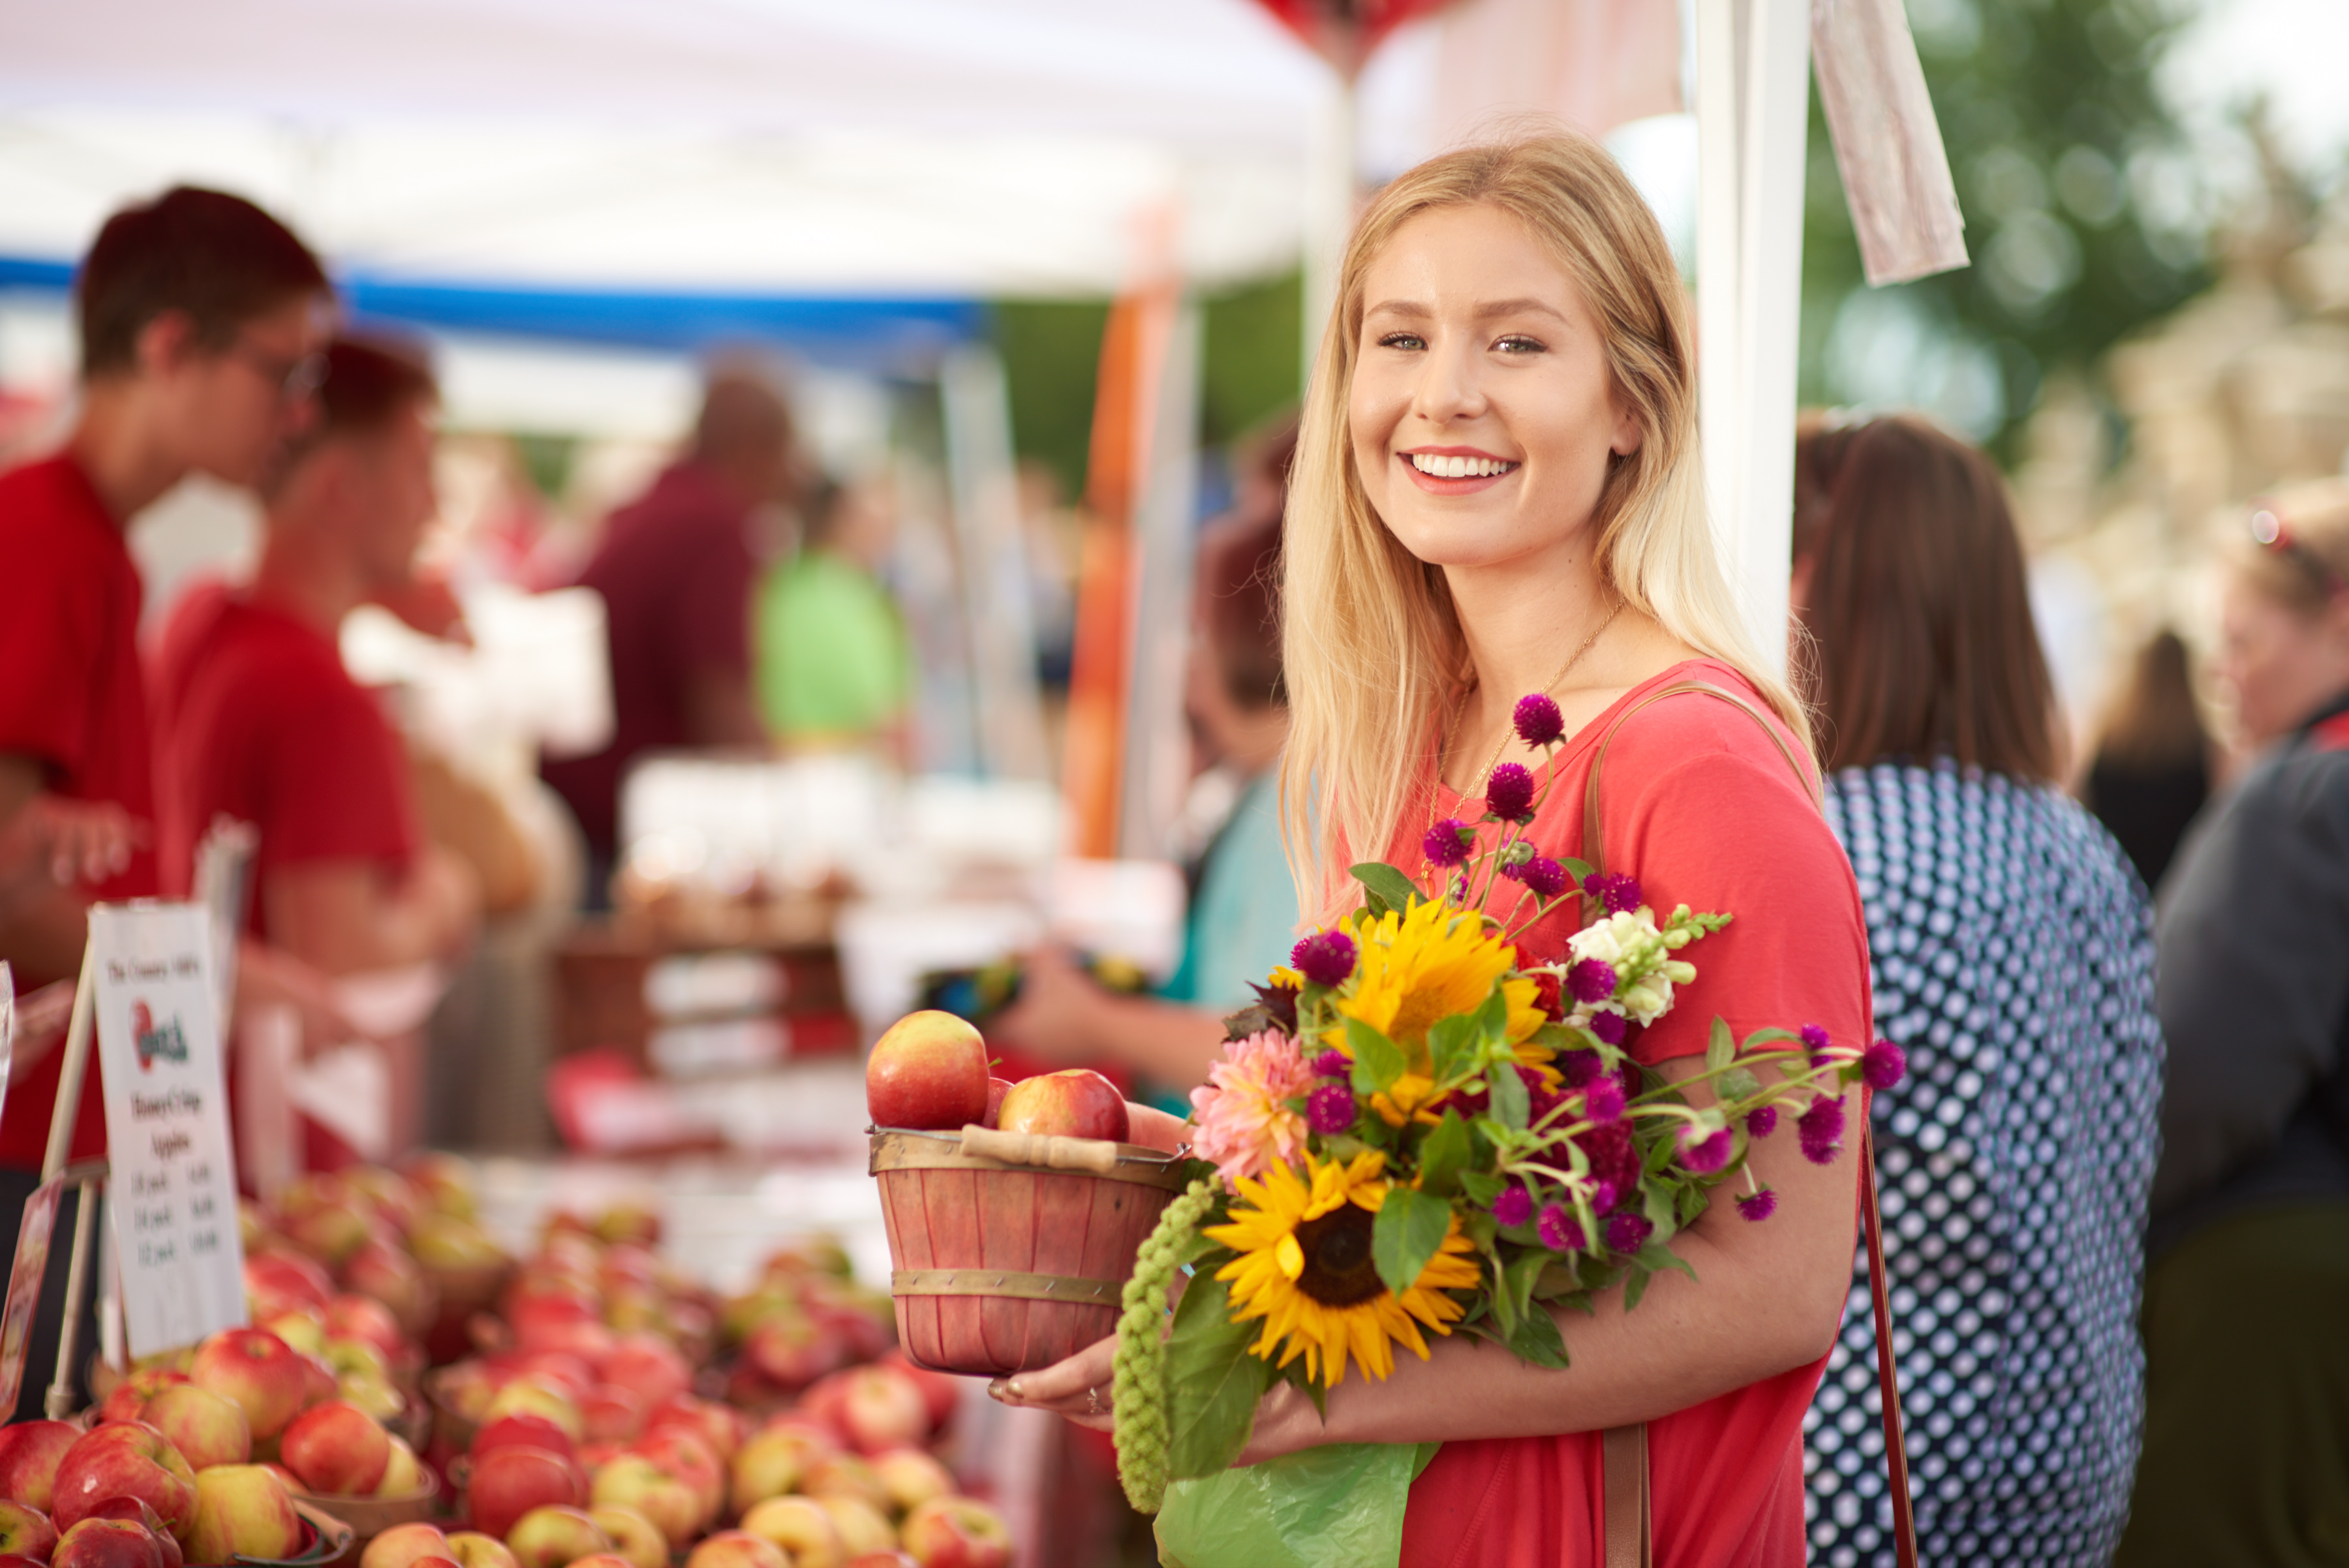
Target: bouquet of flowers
{"type": "Point", "coordinates": [1413, 1133]}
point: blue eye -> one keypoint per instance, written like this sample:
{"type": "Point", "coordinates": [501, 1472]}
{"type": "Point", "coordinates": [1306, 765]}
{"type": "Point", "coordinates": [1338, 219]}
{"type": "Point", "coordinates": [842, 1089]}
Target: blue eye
{"type": "Point", "coordinates": [1403, 340]}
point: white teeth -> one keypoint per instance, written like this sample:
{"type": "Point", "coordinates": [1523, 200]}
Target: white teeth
{"type": "Point", "coordinates": [1458, 467]}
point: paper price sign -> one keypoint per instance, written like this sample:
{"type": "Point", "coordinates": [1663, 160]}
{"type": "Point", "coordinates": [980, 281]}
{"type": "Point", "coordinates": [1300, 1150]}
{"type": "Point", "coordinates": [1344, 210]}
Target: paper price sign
{"type": "Point", "coordinates": [171, 1192]}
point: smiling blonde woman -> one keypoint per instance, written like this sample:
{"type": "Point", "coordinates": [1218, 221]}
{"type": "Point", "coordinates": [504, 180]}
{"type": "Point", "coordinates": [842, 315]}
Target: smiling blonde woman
{"type": "Point", "coordinates": [1497, 493]}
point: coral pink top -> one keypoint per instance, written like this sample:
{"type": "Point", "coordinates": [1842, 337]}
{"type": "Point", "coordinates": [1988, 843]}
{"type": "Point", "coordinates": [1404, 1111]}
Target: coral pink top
{"type": "Point", "coordinates": [1702, 807]}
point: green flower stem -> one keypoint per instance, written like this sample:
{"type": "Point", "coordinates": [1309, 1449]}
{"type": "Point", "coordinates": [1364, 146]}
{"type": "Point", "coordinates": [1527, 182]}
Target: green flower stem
{"type": "Point", "coordinates": [1138, 1386]}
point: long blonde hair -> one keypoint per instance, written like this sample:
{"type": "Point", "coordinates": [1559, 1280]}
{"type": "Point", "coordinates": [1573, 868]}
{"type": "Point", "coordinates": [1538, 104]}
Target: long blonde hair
{"type": "Point", "coordinates": [1371, 641]}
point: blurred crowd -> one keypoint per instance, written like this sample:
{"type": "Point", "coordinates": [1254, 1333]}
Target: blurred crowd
{"type": "Point", "coordinates": [2116, 1182]}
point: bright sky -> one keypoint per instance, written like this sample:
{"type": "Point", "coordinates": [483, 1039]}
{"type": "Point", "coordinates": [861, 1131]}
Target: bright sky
{"type": "Point", "coordinates": [2291, 50]}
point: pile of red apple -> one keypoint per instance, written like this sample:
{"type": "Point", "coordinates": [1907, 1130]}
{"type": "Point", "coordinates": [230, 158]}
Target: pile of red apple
{"type": "Point", "coordinates": [194, 1465]}
{"type": "Point", "coordinates": [929, 1073]}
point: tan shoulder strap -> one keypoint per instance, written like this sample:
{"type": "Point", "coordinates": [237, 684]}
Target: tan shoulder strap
{"type": "Point", "coordinates": [1629, 1541]}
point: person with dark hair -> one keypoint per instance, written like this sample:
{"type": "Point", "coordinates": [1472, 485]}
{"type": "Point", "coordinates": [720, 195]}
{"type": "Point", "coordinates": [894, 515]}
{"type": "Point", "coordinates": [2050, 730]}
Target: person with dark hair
{"type": "Point", "coordinates": [257, 720]}
{"type": "Point", "coordinates": [676, 569]}
{"type": "Point", "coordinates": [201, 316]}
{"type": "Point", "coordinates": [2247, 1286]}
{"type": "Point", "coordinates": [2152, 768]}
{"type": "Point", "coordinates": [1243, 914]}
{"type": "Point", "coordinates": [2011, 954]}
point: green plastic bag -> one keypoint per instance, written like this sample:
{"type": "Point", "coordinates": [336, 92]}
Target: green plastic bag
{"type": "Point", "coordinates": [1335, 1507]}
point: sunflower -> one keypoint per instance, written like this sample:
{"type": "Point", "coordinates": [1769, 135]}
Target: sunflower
{"type": "Point", "coordinates": [1429, 964]}
{"type": "Point", "coordinates": [1304, 1267]}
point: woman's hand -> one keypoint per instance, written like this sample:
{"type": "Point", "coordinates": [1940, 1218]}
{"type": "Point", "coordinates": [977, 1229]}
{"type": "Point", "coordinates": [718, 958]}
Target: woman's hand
{"type": "Point", "coordinates": [1078, 1388]}
{"type": "Point", "coordinates": [1059, 1014]}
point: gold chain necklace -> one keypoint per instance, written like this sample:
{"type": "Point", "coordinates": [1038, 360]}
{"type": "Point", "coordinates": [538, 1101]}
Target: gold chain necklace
{"type": "Point", "coordinates": [1483, 779]}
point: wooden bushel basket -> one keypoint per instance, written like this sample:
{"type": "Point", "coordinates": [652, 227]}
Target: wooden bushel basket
{"type": "Point", "coordinates": [1006, 1265]}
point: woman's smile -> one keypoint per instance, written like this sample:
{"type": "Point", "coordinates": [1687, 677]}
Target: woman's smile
{"type": "Point", "coordinates": [1456, 470]}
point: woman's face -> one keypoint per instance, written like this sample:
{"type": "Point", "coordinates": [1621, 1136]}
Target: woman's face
{"type": "Point", "coordinates": [2279, 664]}
{"type": "Point", "coordinates": [1483, 409]}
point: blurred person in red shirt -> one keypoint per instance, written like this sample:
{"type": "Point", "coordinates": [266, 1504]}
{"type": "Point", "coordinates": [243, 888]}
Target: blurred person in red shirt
{"type": "Point", "coordinates": [200, 318]}
{"type": "Point", "coordinates": [676, 569]}
{"type": "Point", "coordinates": [257, 719]}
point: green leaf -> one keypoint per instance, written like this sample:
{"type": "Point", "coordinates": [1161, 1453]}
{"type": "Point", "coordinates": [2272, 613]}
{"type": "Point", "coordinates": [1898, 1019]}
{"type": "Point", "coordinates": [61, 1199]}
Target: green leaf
{"type": "Point", "coordinates": [1638, 1286]}
{"type": "Point", "coordinates": [1213, 1384]}
{"type": "Point", "coordinates": [1445, 1155]}
{"type": "Point", "coordinates": [1578, 868]}
{"type": "Point", "coordinates": [1448, 1043]}
{"type": "Point", "coordinates": [1388, 885]}
{"type": "Point", "coordinates": [1737, 1084]}
{"type": "Point", "coordinates": [1536, 1339]}
{"type": "Point", "coordinates": [1517, 1283]}
{"type": "Point", "coordinates": [1722, 1049]}
{"type": "Point", "coordinates": [1493, 1018]}
{"type": "Point", "coordinates": [1480, 1186]}
{"type": "Point", "coordinates": [1656, 1257]}
{"type": "Point", "coordinates": [1511, 1104]}
{"type": "Point", "coordinates": [1410, 1230]}
{"type": "Point", "coordinates": [1378, 1061]}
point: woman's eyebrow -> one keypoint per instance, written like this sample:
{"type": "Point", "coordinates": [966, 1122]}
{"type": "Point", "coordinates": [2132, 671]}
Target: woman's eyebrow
{"type": "Point", "coordinates": [1412, 309]}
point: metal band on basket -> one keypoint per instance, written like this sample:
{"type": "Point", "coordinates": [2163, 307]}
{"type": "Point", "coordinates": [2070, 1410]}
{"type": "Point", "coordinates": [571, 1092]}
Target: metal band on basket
{"type": "Point", "coordinates": [900, 1150]}
{"type": "Point", "coordinates": [998, 1283]}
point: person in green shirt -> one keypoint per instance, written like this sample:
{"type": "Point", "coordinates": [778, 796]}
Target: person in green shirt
{"type": "Point", "coordinates": [835, 666]}
{"type": "Point", "coordinates": [1243, 914]}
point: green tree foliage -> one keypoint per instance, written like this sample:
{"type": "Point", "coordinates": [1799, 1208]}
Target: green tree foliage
{"type": "Point", "coordinates": [2080, 205]}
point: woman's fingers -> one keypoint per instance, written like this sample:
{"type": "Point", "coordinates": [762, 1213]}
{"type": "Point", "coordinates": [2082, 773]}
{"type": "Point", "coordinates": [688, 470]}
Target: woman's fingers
{"type": "Point", "coordinates": [1078, 1388]}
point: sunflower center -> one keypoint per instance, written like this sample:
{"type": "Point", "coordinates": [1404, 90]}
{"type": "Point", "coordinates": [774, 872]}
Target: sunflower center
{"type": "Point", "coordinates": [1337, 1247]}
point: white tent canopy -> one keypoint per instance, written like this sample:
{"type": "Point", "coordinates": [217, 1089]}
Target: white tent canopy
{"type": "Point", "coordinates": [871, 146]}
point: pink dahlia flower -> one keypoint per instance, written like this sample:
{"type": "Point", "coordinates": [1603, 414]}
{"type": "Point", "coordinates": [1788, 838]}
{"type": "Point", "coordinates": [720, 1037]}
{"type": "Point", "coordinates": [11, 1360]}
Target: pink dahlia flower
{"type": "Point", "coordinates": [1244, 1123]}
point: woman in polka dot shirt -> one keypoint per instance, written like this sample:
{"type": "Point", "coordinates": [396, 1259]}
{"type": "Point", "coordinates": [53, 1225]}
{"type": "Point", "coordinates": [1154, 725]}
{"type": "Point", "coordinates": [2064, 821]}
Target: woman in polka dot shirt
{"type": "Point", "coordinates": [2011, 953]}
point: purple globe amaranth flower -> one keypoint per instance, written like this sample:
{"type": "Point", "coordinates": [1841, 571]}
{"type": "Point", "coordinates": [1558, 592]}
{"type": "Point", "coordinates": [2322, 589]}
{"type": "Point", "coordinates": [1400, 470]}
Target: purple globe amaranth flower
{"type": "Point", "coordinates": [1609, 1027]}
{"type": "Point", "coordinates": [1816, 1041]}
{"type": "Point", "coordinates": [1882, 1065]}
{"type": "Point", "coordinates": [1513, 1205]}
{"type": "Point", "coordinates": [1703, 1154]}
{"type": "Point", "coordinates": [1538, 720]}
{"type": "Point", "coordinates": [1509, 792]}
{"type": "Point", "coordinates": [1561, 1231]}
{"type": "Point", "coordinates": [1591, 981]}
{"type": "Point", "coordinates": [1329, 1109]}
{"type": "Point", "coordinates": [1604, 1195]}
{"type": "Point", "coordinates": [1325, 958]}
{"type": "Point", "coordinates": [1539, 1096]}
{"type": "Point", "coordinates": [1447, 843]}
{"type": "Point", "coordinates": [1332, 1064]}
{"type": "Point", "coordinates": [1545, 877]}
{"type": "Point", "coordinates": [1757, 1206]}
{"type": "Point", "coordinates": [1627, 1232]}
{"type": "Point", "coordinates": [1582, 1068]}
{"type": "Point", "coordinates": [1820, 1128]}
{"type": "Point", "coordinates": [1617, 892]}
{"type": "Point", "coordinates": [1761, 1121]}
{"type": "Point", "coordinates": [1603, 1101]}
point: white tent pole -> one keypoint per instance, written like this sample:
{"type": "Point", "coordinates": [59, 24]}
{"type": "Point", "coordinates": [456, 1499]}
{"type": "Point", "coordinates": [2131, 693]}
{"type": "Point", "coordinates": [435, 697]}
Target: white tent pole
{"type": "Point", "coordinates": [1770, 279]}
{"type": "Point", "coordinates": [984, 487]}
{"type": "Point", "coordinates": [1719, 254]}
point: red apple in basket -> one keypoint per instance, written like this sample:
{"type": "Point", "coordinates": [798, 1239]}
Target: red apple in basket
{"type": "Point", "coordinates": [133, 1511]}
{"type": "Point", "coordinates": [771, 1464]}
{"type": "Point", "coordinates": [522, 1431]}
{"type": "Point", "coordinates": [25, 1531]}
{"type": "Point", "coordinates": [472, 1549]}
{"type": "Point", "coordinates": [648, 1366]}
{"type": "Point", "coordinates": [892, 1558]}
{"type": "Point", "coordinates": [108, 1543]}
{"type": "Point", "coordinates": [996, 1089]}
{"type": "Point", "coordinates": [737, 1549]}
{"type": "Point", "coordinates": [29, 1452]}
{"type": "Point", "coordinates": [404, 1544]}
{"type": "Point", "coordinates": [1075, 1102]}
{"type": "Point", "coordinates": [263, 1375]}
{"type": "Point", "coordinates": [18, 1559]}
{"type": "Point", "coordinates": [509, 1482]}
{"type": "Point", "coordinates": [684, 1455]}
{"type": "Point", "coordinates": [801, 1528]}
{"type": "Point", "coordinates": [928, 1071]}
{"type": "Point", "coordinates": [913, 1477]}
{"type": "Point", "coordinates": [956, 1532]}
{"type": "Point", "coordinates": [635, 1483]}
{"type": "Point", "coordinates": [637, 1540]}
{"type": "Point", "coordinates": [608, 1559]}
{"type": "Point", "coordinates": [720, 1426]}
{"type": "Point", "coordinates": [403, 1476]}
{"type": "Point", "coordinates": [337, 1448]}
{"type": "Point", "coordinates": [881, 1408]}
{"type": "Point", "coordinates": [129, 1459]}
{"type": "Point", "coordinates": [552, 1537]}
{"type": "Point", "coordinates": [942, 1390]}
{"type": "Point", "coordinates": [206, 1429]}
{"type": "Point", "coordinates": [243, 1510]}
{"type": "Point", "coordinates": [127, 1400]}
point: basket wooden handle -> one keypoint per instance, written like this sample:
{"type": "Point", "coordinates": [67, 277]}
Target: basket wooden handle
{"type": "Point", "coordinates": [1097, 1155]}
